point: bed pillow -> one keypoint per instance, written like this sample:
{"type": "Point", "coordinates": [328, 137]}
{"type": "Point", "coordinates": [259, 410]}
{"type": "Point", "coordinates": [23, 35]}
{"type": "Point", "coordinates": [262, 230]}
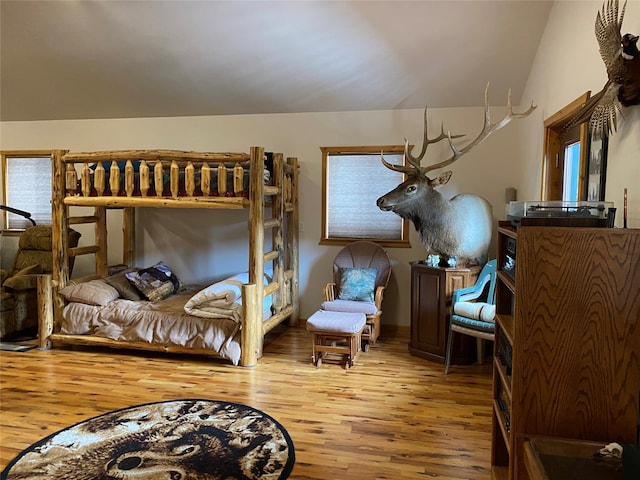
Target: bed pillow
{"type": "Point", "coordinates": [94, 292]}
{"type": "Point", "coordinates": [121, 283]}
{"type": "Point", "coordinates": [357, 284]}
{"type": "Point", "coordinates": [155, 283]}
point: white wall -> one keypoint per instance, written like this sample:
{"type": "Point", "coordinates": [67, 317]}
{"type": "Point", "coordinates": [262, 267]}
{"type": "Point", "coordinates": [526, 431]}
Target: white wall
{"type": "Point", "coordinates": [189, 240]}
{"type": "Point", "coordinates": [567, 64]}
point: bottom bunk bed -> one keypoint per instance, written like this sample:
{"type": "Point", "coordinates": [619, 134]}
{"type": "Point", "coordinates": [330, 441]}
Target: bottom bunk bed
{"type": "Point", "coordinates": [150, 308]}
{"type": "Point", "coordinates": [196, 319]}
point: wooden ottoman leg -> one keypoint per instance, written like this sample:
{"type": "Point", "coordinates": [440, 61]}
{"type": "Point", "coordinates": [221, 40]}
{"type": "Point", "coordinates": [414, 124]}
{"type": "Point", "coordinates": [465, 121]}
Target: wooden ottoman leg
{"type": "Point", "coordinates": [313, 348]}
{"type": "Point", "coordinates": [353, 341]}
{"type": "Point", "coordinates": [353, 350]}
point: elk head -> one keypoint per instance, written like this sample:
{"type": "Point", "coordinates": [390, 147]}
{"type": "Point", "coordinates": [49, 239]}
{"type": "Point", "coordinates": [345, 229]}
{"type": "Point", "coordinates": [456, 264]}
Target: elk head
{"type": "Point", "coordinates": [457, 227]}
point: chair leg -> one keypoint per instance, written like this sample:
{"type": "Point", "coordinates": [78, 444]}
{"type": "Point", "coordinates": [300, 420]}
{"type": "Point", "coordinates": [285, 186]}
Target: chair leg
{"type": "Point", "coordinates": [480, 350]}
{"type": "Point", "coordinates": [447, 357]}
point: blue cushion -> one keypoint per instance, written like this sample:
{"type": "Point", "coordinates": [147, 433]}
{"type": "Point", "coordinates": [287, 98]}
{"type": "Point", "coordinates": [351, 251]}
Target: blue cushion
{"type": "Point", "coordinates": [357, 284]}
{"type": "Point", "coordinates": [479, 325]}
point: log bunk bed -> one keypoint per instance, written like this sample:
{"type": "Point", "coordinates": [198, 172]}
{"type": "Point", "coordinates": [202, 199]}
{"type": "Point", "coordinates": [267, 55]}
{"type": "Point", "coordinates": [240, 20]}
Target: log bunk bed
{"type": "Point", "coordinates": [133, 179]}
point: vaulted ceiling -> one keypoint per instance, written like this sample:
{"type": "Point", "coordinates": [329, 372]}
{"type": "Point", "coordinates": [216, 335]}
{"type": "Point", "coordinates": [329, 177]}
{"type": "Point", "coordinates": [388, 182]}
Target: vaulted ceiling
{"type": "Point", "coordinates": [80, 59]}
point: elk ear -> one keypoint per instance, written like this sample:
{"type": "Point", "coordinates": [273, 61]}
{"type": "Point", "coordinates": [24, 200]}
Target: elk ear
{"type": "Point", "coordinates": [441, 179]}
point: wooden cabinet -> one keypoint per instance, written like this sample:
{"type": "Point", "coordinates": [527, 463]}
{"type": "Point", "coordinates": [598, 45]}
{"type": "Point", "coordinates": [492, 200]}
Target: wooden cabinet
{"type": "Point", "coordinates": [503, 353]}
{"type": "Point", "coordinates": [566, 354]}
{"type": "Point", "coordinates": [548, 458]}
{"type": "Point", "coordinates": [431, 292]}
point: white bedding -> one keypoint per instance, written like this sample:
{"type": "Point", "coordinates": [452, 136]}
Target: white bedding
{"type": "Point", "coordinates": [222, 299]}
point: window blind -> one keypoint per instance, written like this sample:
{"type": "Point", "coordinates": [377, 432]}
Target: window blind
{"type": "Point", "coordinates": [354, 184]}
{"type": "Point", "coordinates": [28, 188]}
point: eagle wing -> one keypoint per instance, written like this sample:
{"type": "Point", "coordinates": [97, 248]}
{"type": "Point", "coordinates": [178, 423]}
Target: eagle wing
{"type": "Point", "coordinates": [608, 27]}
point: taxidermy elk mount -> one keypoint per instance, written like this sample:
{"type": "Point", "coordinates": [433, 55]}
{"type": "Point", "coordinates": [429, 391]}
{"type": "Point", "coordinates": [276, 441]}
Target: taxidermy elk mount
{"type": "Point", "coordinates": [460, 227]}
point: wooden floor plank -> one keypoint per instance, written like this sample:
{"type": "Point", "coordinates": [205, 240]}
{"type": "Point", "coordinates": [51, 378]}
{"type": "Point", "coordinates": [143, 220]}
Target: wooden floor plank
{"type": "Point", "coordinates": [391, 416]}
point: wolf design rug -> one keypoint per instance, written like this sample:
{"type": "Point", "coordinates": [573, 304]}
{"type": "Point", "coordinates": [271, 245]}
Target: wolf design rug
{"type": "Point", "coordinates": [173, 440]}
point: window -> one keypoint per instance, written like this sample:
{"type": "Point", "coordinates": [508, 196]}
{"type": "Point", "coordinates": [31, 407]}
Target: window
{"type": "Point", "coordinates": [570, 188]}
{"type": "Point", "coordinates": [353, 179]}
{"type": "Point", "coordinates": [26, 186]}
{"type": "Point", "coordinates": [565, 155]}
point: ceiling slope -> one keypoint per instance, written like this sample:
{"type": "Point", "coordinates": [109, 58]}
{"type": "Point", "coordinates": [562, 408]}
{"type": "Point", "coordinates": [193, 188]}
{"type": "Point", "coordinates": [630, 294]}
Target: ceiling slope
{"type": "Point", "coordinates": [81, 59]}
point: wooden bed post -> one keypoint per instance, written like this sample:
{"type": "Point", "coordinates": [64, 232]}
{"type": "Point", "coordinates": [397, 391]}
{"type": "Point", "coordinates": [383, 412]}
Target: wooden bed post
{"type": "Point", "coordinates": [128, 236]}
{"type": "Point", "coordinates": [100, 229]}
{"type": "Point", "coordinates": [60, 227]}
{"type": "Point", "coordinates": [293, 230]}
{"type": "Point", "coordinates": [252, 337]}
{"type": "Point", "coordinates": [45, 311]}
{"type": "Point", "coordinates": [253, 323]}
{"type": "Point", "coordinates": [277, 241]}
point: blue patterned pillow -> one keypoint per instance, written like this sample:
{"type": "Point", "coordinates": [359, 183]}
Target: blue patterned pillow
{"type": "Point", "coordinates": [357, 284]}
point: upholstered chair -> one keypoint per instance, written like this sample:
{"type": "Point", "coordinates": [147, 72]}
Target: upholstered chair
{"type": "Point", "coordinates": [361, 272]}
{"type": "Point", "coordinates": [473, 311]}
{"type": "Point", "coordinates": [19, 284]}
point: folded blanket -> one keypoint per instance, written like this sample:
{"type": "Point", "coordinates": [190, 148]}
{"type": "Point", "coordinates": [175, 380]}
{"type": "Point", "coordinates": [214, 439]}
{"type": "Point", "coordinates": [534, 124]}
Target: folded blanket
{"type": "Point", "coordinates": [476, 310]}
{"type": "Point", "coordinates": [222, 299]}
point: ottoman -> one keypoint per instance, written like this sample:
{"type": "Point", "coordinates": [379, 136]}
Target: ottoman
{"type": "Point", "coordinates": [336, 333]}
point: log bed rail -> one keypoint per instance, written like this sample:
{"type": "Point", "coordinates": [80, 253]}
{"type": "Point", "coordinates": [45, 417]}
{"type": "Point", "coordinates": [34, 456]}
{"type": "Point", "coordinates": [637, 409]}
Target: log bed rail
{"type": "Point", "coordinates": [128, 179]}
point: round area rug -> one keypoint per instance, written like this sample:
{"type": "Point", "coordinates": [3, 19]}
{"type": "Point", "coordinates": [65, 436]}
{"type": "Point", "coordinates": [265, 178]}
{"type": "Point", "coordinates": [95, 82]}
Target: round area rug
{"type": "Point", "coordinates": [174, 440]}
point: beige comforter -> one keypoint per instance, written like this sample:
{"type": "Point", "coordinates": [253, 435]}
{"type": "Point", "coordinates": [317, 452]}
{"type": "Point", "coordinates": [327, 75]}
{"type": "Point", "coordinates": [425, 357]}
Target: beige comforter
{"type": "Point", "coordinates": [163, 322]}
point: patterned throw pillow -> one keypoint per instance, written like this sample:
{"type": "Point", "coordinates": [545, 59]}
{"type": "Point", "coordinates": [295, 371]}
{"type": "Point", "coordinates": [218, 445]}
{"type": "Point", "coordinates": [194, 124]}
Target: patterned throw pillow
{"type": "Point", "coordinates": [155, 283]}
{"type": "Point", "coordinates": [357, 284]}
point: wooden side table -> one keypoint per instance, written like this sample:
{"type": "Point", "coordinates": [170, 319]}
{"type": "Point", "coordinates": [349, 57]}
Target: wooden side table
{"type": "Point", "coordinates": [431, 292]}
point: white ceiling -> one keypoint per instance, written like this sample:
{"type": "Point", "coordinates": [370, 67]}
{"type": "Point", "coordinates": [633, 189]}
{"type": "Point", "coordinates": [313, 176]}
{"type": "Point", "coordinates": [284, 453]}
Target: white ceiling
{"type": "Point", "coordinates": [79, 59]}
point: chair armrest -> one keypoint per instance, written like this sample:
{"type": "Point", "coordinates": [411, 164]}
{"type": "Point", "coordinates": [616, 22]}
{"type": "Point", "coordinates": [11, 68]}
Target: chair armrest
{"type": "Point", "coordinates": [379, 296]}
{"type": "Point", "coordinates": [4, 274]}
{"type": "Point", "coordinates": [21, 282]}
{"type": "Point", "coordinates": [329, 292]}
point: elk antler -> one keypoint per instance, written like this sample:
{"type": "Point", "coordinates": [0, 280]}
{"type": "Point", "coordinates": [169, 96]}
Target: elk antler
{"type": "Point", "coordinates": [415, 161]}
{"type": "Point", "coordinates": [426, 141]}
{"type": "Point", "coordinates": [487, 129]}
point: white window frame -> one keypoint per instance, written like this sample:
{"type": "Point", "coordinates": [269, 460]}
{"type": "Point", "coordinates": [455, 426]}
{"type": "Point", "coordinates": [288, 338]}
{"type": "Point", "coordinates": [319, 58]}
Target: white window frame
{"type": "Point", "coordinates": [39, 190]}
{"type": "Point", "coordinates": [382, 180]}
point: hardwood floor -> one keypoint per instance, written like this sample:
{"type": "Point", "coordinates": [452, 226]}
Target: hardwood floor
{"type": "Point", "coordinates": [391, 416]}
